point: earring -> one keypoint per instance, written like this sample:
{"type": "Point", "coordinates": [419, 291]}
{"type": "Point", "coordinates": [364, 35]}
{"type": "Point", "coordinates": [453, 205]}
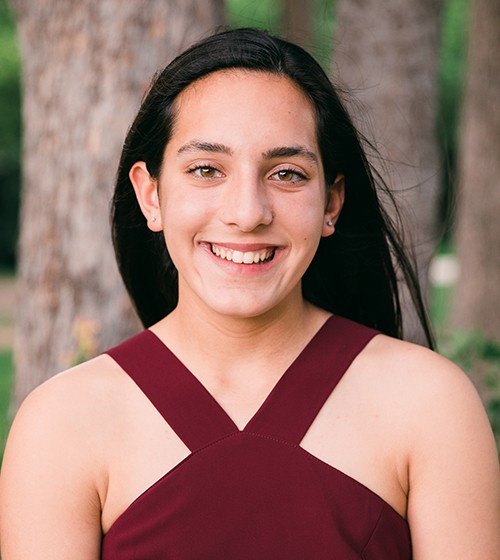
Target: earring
{"type": "Point", "coordinates": [153, 218]}
{"type": "Point", "coordinates": [329, 223]}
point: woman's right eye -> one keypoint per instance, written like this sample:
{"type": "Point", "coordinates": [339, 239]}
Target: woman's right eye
{"type": "Point", "coordinates": [205, 172]}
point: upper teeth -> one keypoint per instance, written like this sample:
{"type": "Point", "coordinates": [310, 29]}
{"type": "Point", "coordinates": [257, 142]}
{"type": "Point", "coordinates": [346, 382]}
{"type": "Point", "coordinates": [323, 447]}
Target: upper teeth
{"type": "Point", "coordinates": [247, 257]}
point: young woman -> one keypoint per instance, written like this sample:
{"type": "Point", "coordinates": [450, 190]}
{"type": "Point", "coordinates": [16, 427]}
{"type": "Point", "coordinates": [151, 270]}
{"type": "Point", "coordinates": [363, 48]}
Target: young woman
{"type": "Point", "coordinates": [269, 409]}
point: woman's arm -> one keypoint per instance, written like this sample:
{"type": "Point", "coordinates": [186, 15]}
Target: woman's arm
{"type": "Point", "coordinates": [454, 498]}
{"type": "Point", "coordinates": [49, 501]}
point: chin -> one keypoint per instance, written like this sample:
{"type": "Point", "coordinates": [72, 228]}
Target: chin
{"type": "Point", "coordinates": [240, 307]}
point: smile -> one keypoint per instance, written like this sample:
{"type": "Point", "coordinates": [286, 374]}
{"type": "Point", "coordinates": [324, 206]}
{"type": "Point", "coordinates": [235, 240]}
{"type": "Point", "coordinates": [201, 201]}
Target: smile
{"type": "Point", "coordinates": [246, 257]}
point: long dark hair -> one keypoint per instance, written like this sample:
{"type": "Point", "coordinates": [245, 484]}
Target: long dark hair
{"type": "Point", "coordinates": [354, 272]}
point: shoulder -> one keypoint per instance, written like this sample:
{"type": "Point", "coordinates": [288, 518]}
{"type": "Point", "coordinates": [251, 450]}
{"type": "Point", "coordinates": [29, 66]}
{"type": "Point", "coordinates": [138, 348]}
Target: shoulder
{"type": "Point", "coordinates": [54, 472]}
{"type": "Point", "coordinates": [62, 426]}
{"type": "Point", "coordinates": [414, 373]}
{"type": "Point", "coordinates": [435, 406]}
{"type": "Point", "coordinates": [443, 432]}
{"type": "Point", "coordinates": [423, 402]}
{"type": "Point", "coordinates": [75, 395]}
{"type": "Point", "coordinates": [407, 370]}
{"type": "Point", "coordinates": [422, 386]}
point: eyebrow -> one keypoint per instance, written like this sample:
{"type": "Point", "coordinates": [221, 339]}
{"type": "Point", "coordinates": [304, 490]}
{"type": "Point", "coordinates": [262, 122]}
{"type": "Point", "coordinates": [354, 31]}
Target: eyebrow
{"type": "Point", "coordinates": [199, 145]}
{"type": "Point", "coordinates": [281, 151]}
{"type": "Point", "coordinates": [290, 151]}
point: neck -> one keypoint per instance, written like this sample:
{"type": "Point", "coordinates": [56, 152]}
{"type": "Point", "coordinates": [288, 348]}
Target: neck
{"type": "Point", "coordinates": [222, 344]}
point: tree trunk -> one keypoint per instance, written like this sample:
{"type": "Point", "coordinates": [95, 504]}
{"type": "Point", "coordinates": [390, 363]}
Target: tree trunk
{"type": "Point", "coordinates": [85, 67]}
{"type": "Point", "coordinates": [477, 294]}
{"type": "Point", "coordinates": [296, 22]}
{"type": "Point", "coordinates": [387, 52]}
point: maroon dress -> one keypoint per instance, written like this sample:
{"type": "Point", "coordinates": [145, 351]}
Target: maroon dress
{"type": "Point", "coordinates": [252, 494]}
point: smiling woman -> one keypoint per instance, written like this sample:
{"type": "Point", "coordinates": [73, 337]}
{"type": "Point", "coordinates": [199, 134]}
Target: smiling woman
{"type": "Point", "coordinates": [362, 284]}
{"type": "Point", "coordinates": [269, 408]}
{"type": "Point", "coordinates": [235, 194]}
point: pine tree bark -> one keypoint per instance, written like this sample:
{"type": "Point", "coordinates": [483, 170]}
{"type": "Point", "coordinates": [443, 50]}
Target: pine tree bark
{"type": "Point", "coordinates": [477, 294]}
{"type": "Point", "coordinates": [85, 67]}
{"type": "Point", "coordinates": [387, 54]}
{"type": "Point", "coordinates": [296, 22]}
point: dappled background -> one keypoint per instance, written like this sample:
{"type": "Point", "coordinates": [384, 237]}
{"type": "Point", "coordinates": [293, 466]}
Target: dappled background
{"type": "Point", "coordinates": [421, 79]}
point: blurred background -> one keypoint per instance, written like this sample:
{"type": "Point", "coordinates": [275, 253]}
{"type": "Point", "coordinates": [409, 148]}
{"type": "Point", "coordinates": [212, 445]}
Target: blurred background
{"type": "Point", "coordinates": [421, 80]}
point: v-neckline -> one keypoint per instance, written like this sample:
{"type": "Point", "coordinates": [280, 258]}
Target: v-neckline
{"type": "Point", "coordinates": [271, 398]}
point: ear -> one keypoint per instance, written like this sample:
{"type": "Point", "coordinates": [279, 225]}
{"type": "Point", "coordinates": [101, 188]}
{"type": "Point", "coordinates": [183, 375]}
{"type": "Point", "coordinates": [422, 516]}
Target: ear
{"type": "Point", "coordinates": [146, 191]}
{"type": "Point", "coordinates": [334, 203]}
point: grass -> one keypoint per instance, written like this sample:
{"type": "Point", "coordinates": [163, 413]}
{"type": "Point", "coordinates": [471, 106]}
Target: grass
{"type": "Point", "coordinates": [6, 377]}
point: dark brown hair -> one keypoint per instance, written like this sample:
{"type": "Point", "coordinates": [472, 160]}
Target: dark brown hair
{"type": "Point", "coordinates": [354, 272]}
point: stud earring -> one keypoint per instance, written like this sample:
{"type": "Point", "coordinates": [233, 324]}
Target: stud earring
{"type": "Point", "coordinates": [153, 218]}
{"type": "Point", "coordinates": [329, 223]}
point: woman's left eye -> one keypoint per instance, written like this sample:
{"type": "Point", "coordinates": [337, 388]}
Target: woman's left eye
{"type": "Point", "coordinates": [288, 176]}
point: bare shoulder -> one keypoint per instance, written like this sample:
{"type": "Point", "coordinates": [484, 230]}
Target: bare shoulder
{"type": "Point", "coordinates": [429, 405]}
{"type": "Point", "coordinates": [69, 412]}
{"type": "Point", "coordinates": [443, 429]}
{"type": "Point", "coordinates": [416, 378]}
{"type": "Point", "coordinates": [77, 397]}
{"type": "Point", "coordinates": [437, 397]}
{"type": "Point", "coordinates": [405, 358]}
{"type": "Point", "coordinates": [54, 470]}
{"type": "Point", "coordinates": [77, 410]}
{"type": "Point", "coordinates": [416, 402]}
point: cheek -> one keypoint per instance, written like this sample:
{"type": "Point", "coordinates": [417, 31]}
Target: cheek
{"type": "Point", "coordinates": [185, 218]}
{"type": "Point", "coordinates": [305, 217]}
{"type": "Point", "coordinates": [183, 209]}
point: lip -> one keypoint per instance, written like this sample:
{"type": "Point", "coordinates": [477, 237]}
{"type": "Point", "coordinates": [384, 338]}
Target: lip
{"type": "Point", "coordinates": [243, 246]}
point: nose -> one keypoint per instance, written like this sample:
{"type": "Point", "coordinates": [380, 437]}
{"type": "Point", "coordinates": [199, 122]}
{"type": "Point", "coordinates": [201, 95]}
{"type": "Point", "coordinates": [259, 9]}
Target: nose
{"type": "Point", "coordinates": [246, 204]}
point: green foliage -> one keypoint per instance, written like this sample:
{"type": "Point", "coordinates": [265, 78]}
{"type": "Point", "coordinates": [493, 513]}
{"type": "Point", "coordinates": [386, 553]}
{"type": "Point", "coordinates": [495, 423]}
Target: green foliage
{"type": "Point", "coordinates": [480, 359]}
{"type": "Point", "coordinates": [247, 13]}
{"type": "Point", "coordinates": [9, 83]}
{"type": "Point", "coordinates": [10, 136]}
{"type": "Point", "coordinates": [440, 303]}
{"type": "Point", "coordinates": [452, 70]}
{"type": "Point", "coordinates": [6, 375]}
{"type": "Point", "coordinates": [471, 351]}
{"type": "Point", "coordinates": [266, 14]}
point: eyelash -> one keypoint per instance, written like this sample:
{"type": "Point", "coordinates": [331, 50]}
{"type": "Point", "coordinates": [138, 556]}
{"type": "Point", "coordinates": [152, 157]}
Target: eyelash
{"type": "Point", "coordinates": [192, 171]}
{"type": "Point", "coordinates": [300, 176]}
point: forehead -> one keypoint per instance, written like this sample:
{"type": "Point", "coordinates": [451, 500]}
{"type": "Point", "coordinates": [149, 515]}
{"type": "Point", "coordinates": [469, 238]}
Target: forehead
{"type": "Point", "coordinates": [239, 105]}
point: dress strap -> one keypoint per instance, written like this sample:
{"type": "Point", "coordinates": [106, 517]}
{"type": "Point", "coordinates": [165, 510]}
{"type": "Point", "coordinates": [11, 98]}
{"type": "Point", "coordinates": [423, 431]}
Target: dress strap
{"type": "Point", "coordinates": [183, 402]}
{"type": "Point", "coordinates": [299, 396]}
{"type": "Point", "coordinates": [287, 412]}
